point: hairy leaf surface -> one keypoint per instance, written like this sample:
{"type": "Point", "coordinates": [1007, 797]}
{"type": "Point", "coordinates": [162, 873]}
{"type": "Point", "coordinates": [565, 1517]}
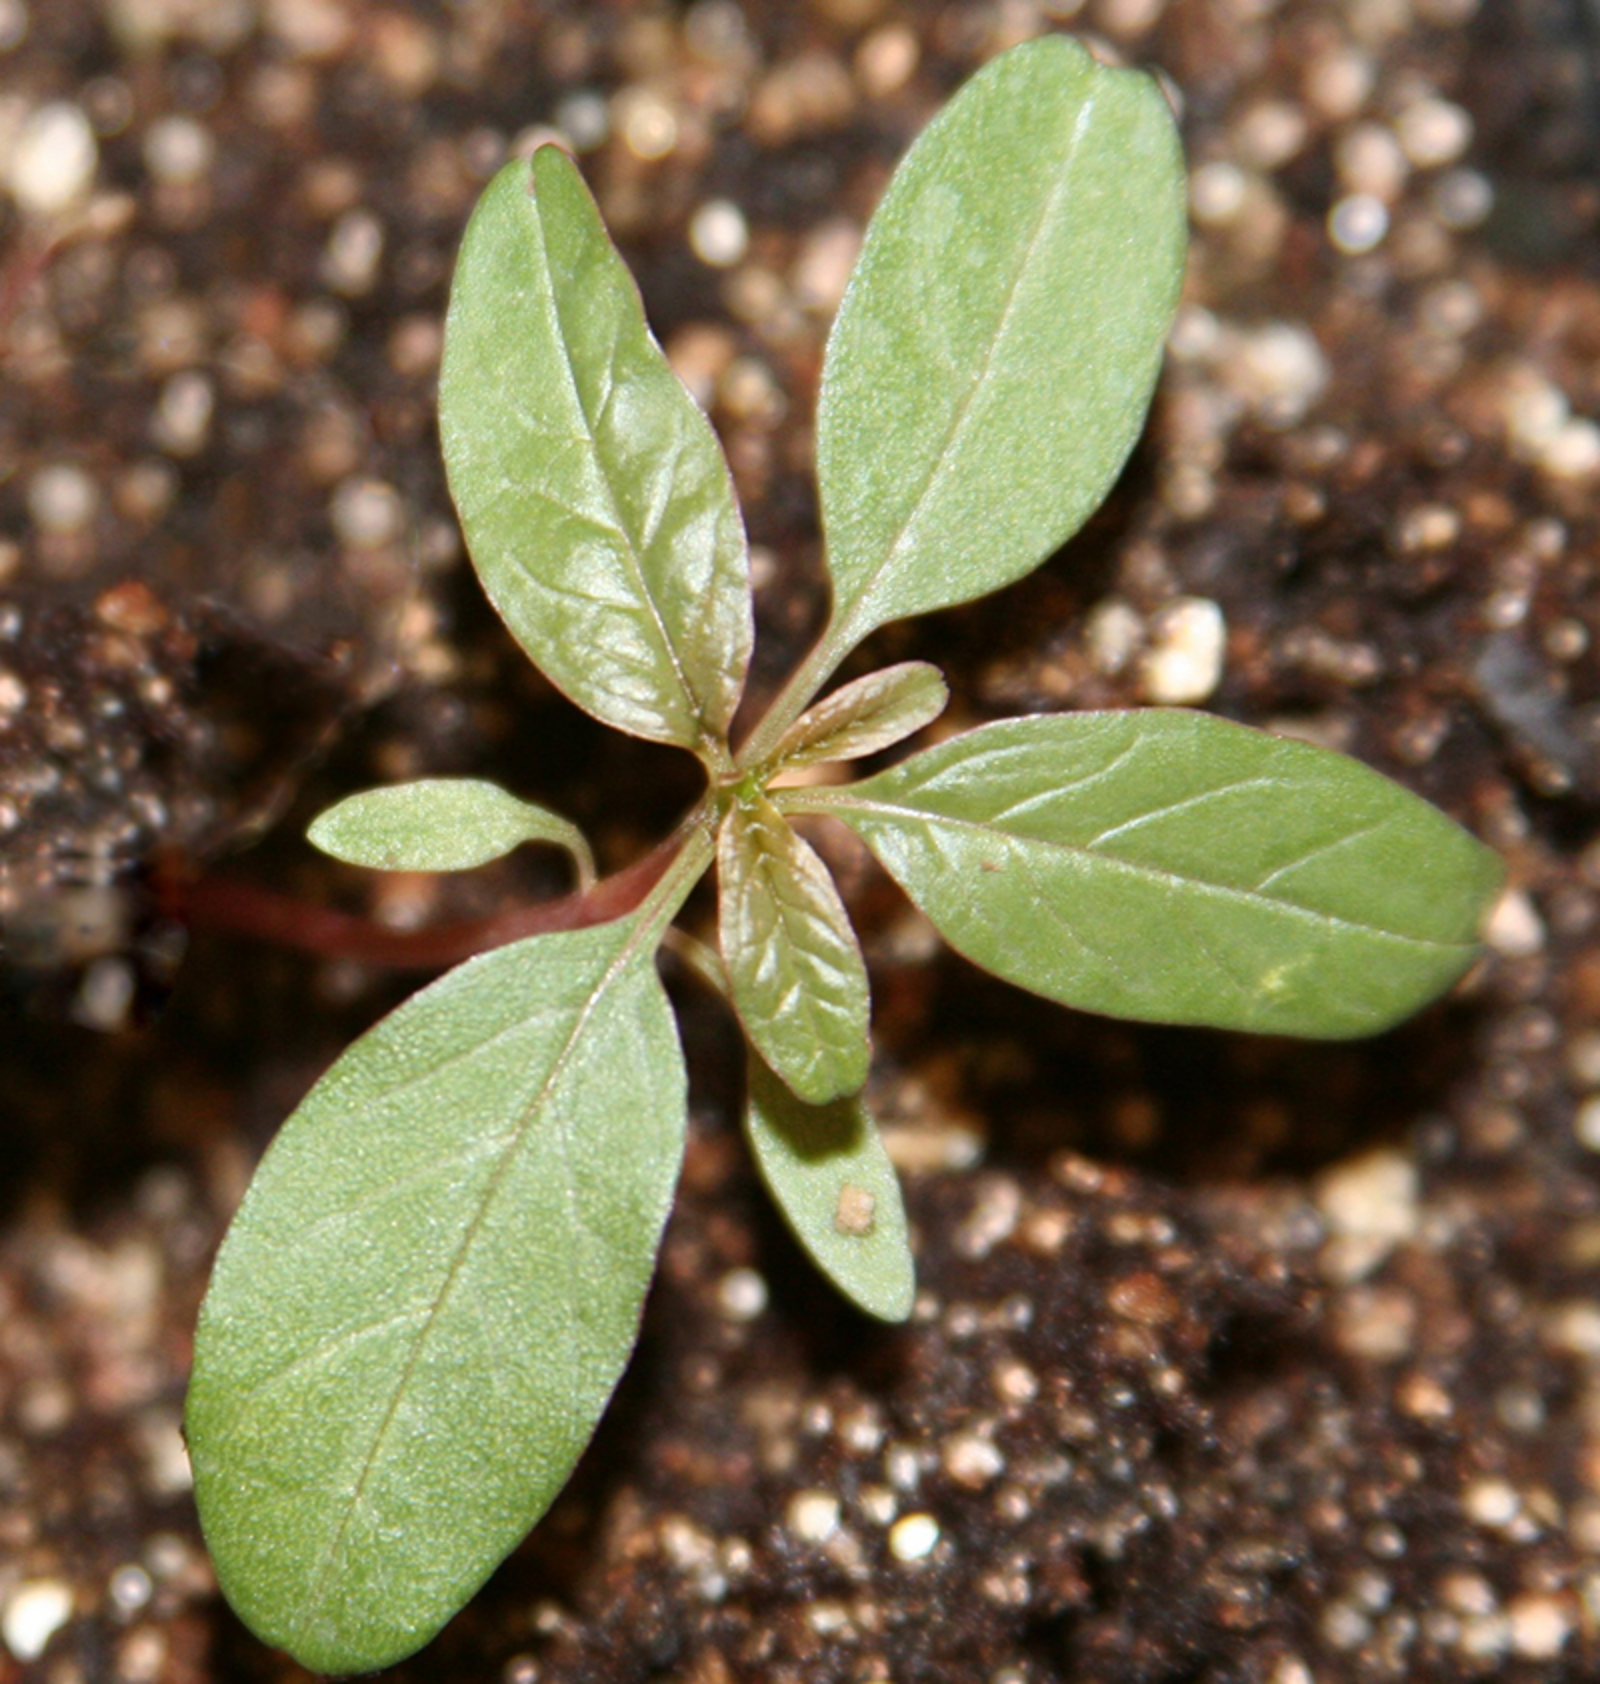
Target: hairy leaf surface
{"type": "Point", "coordinates": [430, 1291]}
{"type": "Point", "coordinates": [826, 1168]}
{"type": "Point", "coordinates": [995, 352]}
{"type": "Point", "coordinates": [794, 968]}
{"type": "Point", "coordinates": [1174, 867]}
{"type": "Point", "coordinates": [440, 824]}
{"type": "Point", "coordinates": [595, 498]}
{"type": "Point", "coordinates": [869, 713]}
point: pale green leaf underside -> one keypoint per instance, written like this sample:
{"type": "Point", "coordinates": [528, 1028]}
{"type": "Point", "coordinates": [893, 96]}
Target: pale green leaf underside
{"type": "Point", "coordinates": [595, 498]}
{"type": "Point", "coordinates": [826, 1169]}
{"type": "Point", "coordinates": [1174, 867]}
{"type": "Point", "coordinates": [870, 713]}
{"type": "Point", "coordinates": [990, 366]}
{"type": "Point", "coordinates": [440, 824]}
{"type": "Point", "coordinates": [430, 1291]}
{"type": "Point", "coordinates": [795, 971]}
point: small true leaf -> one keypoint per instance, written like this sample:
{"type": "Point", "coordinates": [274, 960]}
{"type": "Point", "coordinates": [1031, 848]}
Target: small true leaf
{"type": "Point", "coordinates": [859, 718]}
{"type": "Point", "coordinates": [430, 1291]}
{"type": "Point", "coordinates": [1174, 867]}
{"type": "Point", "coordinates": [826, 1168]}
{"type": "Point", "coordinates": [995, 352]}
{"type": "Point", "coordinates": [440, 824]}
{"type": "Point", "coordinates": [794, 968]}
{"type": "Point", "coordinates": [595, 498]}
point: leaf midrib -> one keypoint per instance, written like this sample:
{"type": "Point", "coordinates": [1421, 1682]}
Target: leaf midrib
{"type": "Point", "coordinates": [841, 807]}
{"type": "Point", "coordinates": [316, 1592]}
{"type": "Point", "coordinates": [859, 609]}
{"type": "Point", "coordinates": [692, 700]}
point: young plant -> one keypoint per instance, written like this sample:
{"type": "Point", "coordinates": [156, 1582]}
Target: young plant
{"type": "Point", "coordinates": [437, 1276]}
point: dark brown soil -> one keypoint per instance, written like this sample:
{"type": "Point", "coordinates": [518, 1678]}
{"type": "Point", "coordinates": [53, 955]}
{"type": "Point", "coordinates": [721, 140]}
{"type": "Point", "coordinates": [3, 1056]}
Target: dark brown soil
{"type": "Point", "coordinates": [1234, 1360]}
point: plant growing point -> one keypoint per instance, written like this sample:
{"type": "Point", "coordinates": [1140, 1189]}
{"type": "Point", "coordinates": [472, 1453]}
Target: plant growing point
{"type": "Point", "coordinates": [436, 1278]}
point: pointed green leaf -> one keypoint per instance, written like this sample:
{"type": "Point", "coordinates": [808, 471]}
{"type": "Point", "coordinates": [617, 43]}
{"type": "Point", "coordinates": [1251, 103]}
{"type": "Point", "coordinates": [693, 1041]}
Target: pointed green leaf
{"type": "Point", "coordinates": [995, 352]}
{"type": "Point", "coordinates": [826, 1168]}
{"type": "Point", "coordinates": [430, 1291]}
{"type": "Point", "coordinates": [1174, 867]}
{"type": "Point", "coordinates": [440, 824]}
{"type": "Point", "coordinates": [865, 715]}
{"type": "Point", "coordinates": [595, 498]}
{"type": "Point", "coordinates": [795, 970]}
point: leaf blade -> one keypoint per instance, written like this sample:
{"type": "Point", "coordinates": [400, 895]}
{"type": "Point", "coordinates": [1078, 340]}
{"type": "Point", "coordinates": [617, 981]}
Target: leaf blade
{"type": "Point", "coordinates": [872, 712]}
{"type": "Point", "coordinates": [440, 824]}
{"type": "Point", "coordinates": [828, 1172]}
{"type": "Point", "coordinates": [595, 498]}
{"type": "Point", "coordinates": [795, 971]}
{"type": "Point", "coordinates": [377, 1283]}
{"type": "Point", "coordinates": [1312, 897]}
{"type": "Point", "coordinates": [1004, 327]}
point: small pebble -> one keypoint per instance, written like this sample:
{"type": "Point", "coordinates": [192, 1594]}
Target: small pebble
{"type": "Point", "coordinates": [887, 60]}
{"type": "Point", "coordinates": [178, 151]}
{"type": "Point", "coordinates": [1183, 665]}
{"type": "Point", "coordinates": [1514, 928]}
{"type": "Point", "coordinates": [13, 696]}
{"type": "Point", "coordinates": [1540, 1626]}
{"type": "Point", "coordinates": [53, 160]}
{"type": "Point", "coordinates": [35, 1611]}
{"type": "Point", "coordinates": [647, 124]}
{"type": "Point", "coordinates": [353, 254]}
{"type": "Point", "coordinates": [741, 1295]}
{"type": "Point", "coordinates": [1491, 1502]}
{"type": "Point", "coordinates": [367, 514]}
{"type": "Point", "coordinates": [1114, 633]}
{"type": "Point", "coordinates": [718, 234]}
{"type": "Point", "coordinates": [1462, 199]}
{"type": "Point", "coordinates": [62, 498]}
{"type": "Point", "coordinates": [813, 1516]}
{"type": "Point", "coordinates": [913, 1536]}
{"type": "Point", "coordinates": [1370, 162]}
{"type": "Point", "coordinates": [1574, 450]}
{"type": "Point", "coordinates": [1374, 1194]}
{"type": "Point", "coordinates": [972, 1460]}
{"type": "Point", "coordinates": [1217, 193]}
{"type": "Point", "coordinates": [585, 119]}
{"type": "Point", "coordinates": [1358, 223]}
{"type": "Point", "coordinates": [1433, 132]}
{"type": "Point", "coordinates": [1278, 369]}
{"type": "Point", "coordinates": [1271, 133]}
{"type": "Point", "coordinates": [183, 413]}
{"type": "Point", "coordinates": [131, 1588]}
{"type": "Point", "coordinates": [13, 24]}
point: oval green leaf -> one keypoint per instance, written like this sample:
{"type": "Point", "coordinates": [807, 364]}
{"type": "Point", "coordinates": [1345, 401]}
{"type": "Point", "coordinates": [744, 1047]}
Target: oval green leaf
{"type": "Point", "coordinates": [828, 1173]}
{"type": "Point", "coordinates": [430, 1292]}
{"type": "Point", "coordinates": [1173, 867]}
{"type": "Point", "coordinates": [440, 824]}
{"type": "Point", "coordinates": [595, 498]}
{"type": "Point", "coordinates": [995, 352]}
{"type": "Point", "coordinates": [795, 970]}
{"type": "Point", "coordinates": [872, 712]}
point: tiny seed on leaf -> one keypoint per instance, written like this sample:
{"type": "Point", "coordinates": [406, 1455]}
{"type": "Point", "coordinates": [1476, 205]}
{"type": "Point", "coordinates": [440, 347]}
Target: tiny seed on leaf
{"type": "Point", "coordinates": [857, 1210]}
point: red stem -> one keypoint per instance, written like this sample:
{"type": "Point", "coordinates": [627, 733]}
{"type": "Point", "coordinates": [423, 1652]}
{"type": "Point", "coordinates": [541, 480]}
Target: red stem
{"type": "Point", "coordinates": [245, 909]}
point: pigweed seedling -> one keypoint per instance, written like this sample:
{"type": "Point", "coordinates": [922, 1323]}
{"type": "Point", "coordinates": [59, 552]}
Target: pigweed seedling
{"type": "Point", "coordinates": [436, 1278]}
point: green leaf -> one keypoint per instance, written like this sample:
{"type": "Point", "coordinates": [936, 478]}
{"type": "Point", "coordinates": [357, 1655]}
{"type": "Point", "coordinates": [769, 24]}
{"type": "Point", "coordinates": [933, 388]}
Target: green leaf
{"type": "Point", "coordinates": [430, 1291]}
{"type": "Point", "coordinates": [865, 715]}
{"type": "Point", "coordinates": [595, 498]}
{"type": "Point", "coordinates": [794, 968]}
{"type": "Point", "coordinates": [440, 824]}
{"type": "Point", "coordinates": [1174, 867]}
{"type": "Point", "coordinates": [826, 1168]}
{"type": "Point", "coordinates": [990, 366]}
